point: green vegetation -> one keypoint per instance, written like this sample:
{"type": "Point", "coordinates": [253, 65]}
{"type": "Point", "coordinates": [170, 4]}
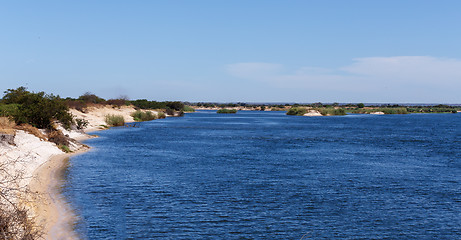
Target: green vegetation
{"type": "Point", "coordinates": [89, 97]}
{"type": "Point", "coordinates": [325, 111]}
{"type": "Point", "coordinates": [397, 110]}
{"type": "Point", "coordinates": [225, 110]}
{"type": "Point", "coordinates": [8, 110]}
{"type": "Point", "coordinates": [188, 109]}
{"type": "Point", "coordinates": [145, 104]}
{"type": "Point", "coordinates": [114, 120]}
{"type": "Point", "coordinates": [330, 111]}
{"type": "Point", "coordinates": [161, 115]}
{"type": "Point", "coordinates": [38, 109]}
{"type": "Point", "coordinates": [143, 116]}
{"type": "Point", "coordinates": [64, 148]}
{"type": "Point", "coordinates": [394, 111]}
{"type": "Point", "coordinates": [297, 111]}
{"type": "Point", "coordinates": [81, 123]}
{"type": "Point", "coordinates": [433, 109]}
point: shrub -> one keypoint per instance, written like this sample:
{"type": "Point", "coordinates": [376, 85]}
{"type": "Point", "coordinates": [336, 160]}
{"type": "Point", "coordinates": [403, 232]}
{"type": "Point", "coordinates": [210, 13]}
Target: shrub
{"type": "Point", "coordinates": [169, 111]}
{"type": "Point", "coordinates": [115, 120]}
{"type": "Point", "coordinates": [79, 105]}
{"type": "Point", "coordinates": [117, 102]}
{"type": "Point", "coordinates": [298, 111]}
{"type": "Point", "coordinates": [64, 148]}
{"type": "Point", "coordinates": [57, 137]}
{"type": "Point", "coordinates": [8, 110]}
{"type": "Point", "coordinates": [81, 123]}
{"type": "Point", "coordinates": [394, 110]}
{"type": "Point", "coordinates": [161, 115]}
{"type": "Point", "coordinates": [331, 111]}
{"type": "Point", "coordinates": [89, 97]}
{"type": "Point", "coordinates": [15, 221]}
{"type": "Point", "coordinates": [177, 106]}
{"type": "Point", "coordinates": [225, 110]}
{"type": "Point", "coordinates": [188, 109]}
{"type": "Point", "coordinates": [145, 104]}
{"type": "Point", "coordinates": [143, 116]}
{"type": "Point", "coordinates": [38, 109]}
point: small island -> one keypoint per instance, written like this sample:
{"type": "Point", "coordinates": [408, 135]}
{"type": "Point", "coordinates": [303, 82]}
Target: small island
{"type": "Point", "coordinates": [225, 110]}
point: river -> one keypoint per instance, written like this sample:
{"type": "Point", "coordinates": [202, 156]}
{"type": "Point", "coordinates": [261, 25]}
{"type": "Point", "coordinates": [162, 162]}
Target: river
{"type": "Point", "coordinates": [265, 175]}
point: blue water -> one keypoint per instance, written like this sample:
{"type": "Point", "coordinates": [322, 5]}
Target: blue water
{"type": "Point", "coordinates": [265, 175]}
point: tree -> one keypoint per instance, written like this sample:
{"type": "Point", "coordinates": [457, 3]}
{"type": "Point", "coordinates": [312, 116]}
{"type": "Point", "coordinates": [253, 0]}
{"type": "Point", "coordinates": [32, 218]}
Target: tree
{"type": "Point", "coordinates": [38, 109]}
{"type": "Point", "coordinates": [360, 105]}
{"type": "Point", "coordinates": [89, 97]}
{"type": "Point", "coordinates": [177, 106]}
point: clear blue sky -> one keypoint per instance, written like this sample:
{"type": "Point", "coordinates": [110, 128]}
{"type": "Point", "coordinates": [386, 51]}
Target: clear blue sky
{"type": "Point", "coordinates": [253, 51]}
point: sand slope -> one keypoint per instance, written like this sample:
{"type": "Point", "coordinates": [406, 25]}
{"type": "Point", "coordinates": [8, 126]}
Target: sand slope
{"type": "Point", "coordinates": [95, 115]}
{"type": "Point", "coordinates": [41, 164]}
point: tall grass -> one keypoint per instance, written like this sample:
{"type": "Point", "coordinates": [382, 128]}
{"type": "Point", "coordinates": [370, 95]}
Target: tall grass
{"type": "Point", "coordinates": [114, 120]}
{"type": "Point", "coordinates": [6, 125]}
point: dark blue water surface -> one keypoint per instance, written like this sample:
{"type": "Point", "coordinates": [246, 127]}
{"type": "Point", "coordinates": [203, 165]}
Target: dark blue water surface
{"type": "Point", "coordinates": [265, 175]}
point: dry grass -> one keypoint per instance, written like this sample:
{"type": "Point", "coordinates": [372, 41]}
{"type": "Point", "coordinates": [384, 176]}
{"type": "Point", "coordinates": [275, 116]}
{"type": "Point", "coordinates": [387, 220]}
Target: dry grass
{"type": "Point", "coordinates": [32, 130]}
{"type": "Point", "coordinates": [7, 126]}
{"type": "Point", "coordinates": [58, 137]}
{"type": "Point", "coordinates": [15, 223]}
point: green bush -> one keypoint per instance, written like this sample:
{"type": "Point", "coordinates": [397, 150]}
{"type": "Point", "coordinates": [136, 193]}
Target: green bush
{"type": "Point", "coordinates": [38, 109]}
{"type": "Point", "coordinates": [161, 115]}
{"type": "Point", "coordinates": [177, 106]}
{"type": "Point", "coordinates": [117, 102]}
{"type": "Point", "coordinates": [81, 123]}
{"type": "Point", "coordinates": [298, 111]}
{"type": "Point", "coordinates": [394, 110]}
{"type": "Point", "coordinates": [145, 104]}
{"type": "Point", "coordinates": [188, 109]}
{"type": "Point", "coordinates": [64, 148]}
{"type": "Point", "coordinates": [115, 120]}
{"type": "Point", "coordinates": [331, 111]}
{"type": "Point", "coordinates": [225, 110]}
{"type": "Point", "coordinates": [143, 116]}
{"type": "Point", "coordinates": [8, 110]}
{"type": "Point", "coordinates": [89, 97]}
{"type": "Point", "coordinates": [79, 105]}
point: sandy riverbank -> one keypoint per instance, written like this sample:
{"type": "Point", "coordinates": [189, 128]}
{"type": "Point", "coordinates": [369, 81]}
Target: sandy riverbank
{"type": "Point", "coordinates": [52, 213]}
{"type": "Point", "coordinates": [42, 164]}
